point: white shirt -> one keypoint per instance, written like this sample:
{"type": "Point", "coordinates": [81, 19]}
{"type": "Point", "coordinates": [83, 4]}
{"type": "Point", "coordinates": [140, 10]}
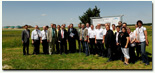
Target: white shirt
{"type": "Point", "coordinates": [117, 33]}
{"type": "Point", "coordinates": [44, 34]}
{"type": "Point", "coordinates": [132, 37]}
{"type": "Point", "coordinates": [88, 28]}
{"type": "Point", "coordinates": [104, 30]}
{"type": "Point", "coordinates": [99, 34]}
{"type": "Point", "coordinates": [34, 35]}
{"type": "Point", "coordinates": [62, 31]}
{"type": "Point", "coordinates": [91, 33]}
{"type": "Point", "coordinates": [140, 33]}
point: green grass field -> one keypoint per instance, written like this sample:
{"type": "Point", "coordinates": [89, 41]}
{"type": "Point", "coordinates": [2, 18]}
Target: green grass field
{"type": "Point", "coordinates": [12, 56]}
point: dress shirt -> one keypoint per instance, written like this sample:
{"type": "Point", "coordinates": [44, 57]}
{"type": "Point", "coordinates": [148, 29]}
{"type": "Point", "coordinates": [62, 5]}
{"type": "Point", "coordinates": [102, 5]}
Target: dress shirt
{"type": "Point", "coordinates": [99, 34]}
{"type": "Point", "coordinates": [44, 34]}
{"type": "Point", "coordinates": [35, 34]}
{"type": "Point", "coordinates": [91, 33]}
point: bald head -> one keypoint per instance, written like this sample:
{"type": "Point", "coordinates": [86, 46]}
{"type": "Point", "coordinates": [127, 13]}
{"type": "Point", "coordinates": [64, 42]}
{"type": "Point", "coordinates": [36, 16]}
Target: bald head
{"type": "Point", "coordinates": [36, 27]}
{"type": "Point", "coordinates": [44, 27]}
{"type": "Point", "coordinates": [51, 25]}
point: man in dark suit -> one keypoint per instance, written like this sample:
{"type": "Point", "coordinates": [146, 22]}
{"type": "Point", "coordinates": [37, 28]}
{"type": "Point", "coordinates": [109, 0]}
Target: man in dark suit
{"type": "Point", "coordinates": [109, 42]}
{"type": "Point", "coordinates": [72, 35]}
{"type": "Point", "coordinates": [25, 40]}
{"type": "Point", "coordinates": [118, 51]}
{"type": "Point", "coordinates": [62, 39]}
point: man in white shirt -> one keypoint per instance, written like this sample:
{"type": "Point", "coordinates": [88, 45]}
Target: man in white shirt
{"type": "Point", "coordinates": [99, 39]}
{"type": "Point", "coordinates": [44, 40]}
{"type": "Point", "coordinates": [35, 36]}
{"type": "Point", "coordinates": [91, 39]}
{"type": "Point", "coordinates": [142, 33]}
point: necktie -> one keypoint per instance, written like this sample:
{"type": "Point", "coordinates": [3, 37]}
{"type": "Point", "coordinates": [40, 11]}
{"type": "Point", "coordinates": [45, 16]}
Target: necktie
{"type": "Point", "coordinates": [45, 34]}
{"type": "Point", "coordinates": [37, 33]}
{"type": "Point", "coordinates": [61, 34]}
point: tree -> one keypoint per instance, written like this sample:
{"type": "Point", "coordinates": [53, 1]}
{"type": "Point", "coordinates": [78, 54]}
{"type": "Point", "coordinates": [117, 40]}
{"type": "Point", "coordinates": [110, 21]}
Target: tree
{"type": "Point", "coordinates": [85, 18]}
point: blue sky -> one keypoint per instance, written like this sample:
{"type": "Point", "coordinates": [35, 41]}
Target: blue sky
{"type": "Point", "coordinates": [45, 12]}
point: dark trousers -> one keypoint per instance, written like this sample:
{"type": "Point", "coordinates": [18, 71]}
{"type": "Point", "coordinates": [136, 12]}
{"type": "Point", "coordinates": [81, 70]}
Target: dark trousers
{"type": "Point", "coordinates": [83, 46]}
{"type": "Point", "coordinates": [138, 51]}
{"type": "Point", "coordinates": [63, 46]}
{"type": "Point", "coordinates": [36, 46]}
{"type": "Point", "coordinates": [118, 53]}
{"type": "Point", "coordinates": [57, 47]}
{"type": "Point", "coordinates": [92, 46]}
{"type": "Point", "coordinates": [100, 47]}
{"type": "Point", "coordinates": [132, 54]}
{"type": "Point", "coordinates": [45, 46]}
{"type": "Point", "coordinates": [79, 43]}
{"type": "Point", "coordinates": [143, 53]}
{"type": "Point", "coordinates": [26, 45]}
{"type": "Point", "coordinates": [110, 53]}
{"type": "Point", "coordinates": [72, 45]}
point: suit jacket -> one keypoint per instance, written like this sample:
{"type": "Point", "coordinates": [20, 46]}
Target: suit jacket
{"type": "Point", "coordinates": [24, 36]}
{"type": "Point", "coordinates": [109, 39]}
{"type": "Point", "coordinates": [78, 31]}
{"type": "Point", "coordinates": [85, 34]}
{"type": "Point", "coordinates": [74, 31]}
{"type": "Point", "coordinates": [50, 33]}
{"type": "Point", "coordinates": [119, 37]}
{"type": "Point", "coordinates": [65, 35]}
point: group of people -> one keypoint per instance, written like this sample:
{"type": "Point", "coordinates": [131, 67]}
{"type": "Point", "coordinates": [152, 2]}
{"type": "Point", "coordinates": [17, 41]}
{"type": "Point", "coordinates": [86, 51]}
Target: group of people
{"type": "Point", "coordinates": [117, 42]}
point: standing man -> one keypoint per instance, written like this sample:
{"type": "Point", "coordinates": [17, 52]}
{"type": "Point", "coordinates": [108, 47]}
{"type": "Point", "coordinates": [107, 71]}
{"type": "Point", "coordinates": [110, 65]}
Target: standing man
{"type": "Point", "coordinates": [35, 36]}
{"type": "Point", "coordinates": [72, 35]}
{"type": "Point", "coordinates": [91, 40]}
{"type": "Point", "coordinates": [78, 38]}
{"type": "Point", "coordinates": [84, 38]}
{"type": "Point", "coordinates": [99, 40]}
{"type": "Point", "coordinates": [109, 42]}
{"type": "Point", "coordinates": [62, 39]}
{"type": "Point", "coordinates": [25, 39]}
{"type": "Point", "coordinates": [51, 38]}
{"type": "Point", "coordinates": [44, 40]}
{"type": "Point", "coordinates": [118, 51]}
{"type": "Point", "coordinates": [57, 43]}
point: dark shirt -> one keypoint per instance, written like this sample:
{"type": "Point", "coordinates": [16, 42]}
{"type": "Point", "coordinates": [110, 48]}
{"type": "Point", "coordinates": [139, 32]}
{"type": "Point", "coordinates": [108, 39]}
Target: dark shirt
{"type": "Point", "coordinates": [123, 39]}
{"type": "Point", "coordinates": [109, 39]}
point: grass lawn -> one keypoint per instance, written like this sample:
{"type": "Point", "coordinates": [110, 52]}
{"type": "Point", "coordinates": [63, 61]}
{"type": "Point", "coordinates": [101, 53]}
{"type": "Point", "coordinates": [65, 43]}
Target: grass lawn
{"type": "Point", "coordinates": [12, 56]}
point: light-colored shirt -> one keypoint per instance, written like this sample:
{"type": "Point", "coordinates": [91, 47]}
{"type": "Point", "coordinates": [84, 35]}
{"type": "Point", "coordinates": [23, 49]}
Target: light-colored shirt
{"type": "Point", "coordinates": [35, 34]}
{"type": "Point", "coordinates": [132, 37]}
{"type": "Point", "coordinates": [91, 33]}
{"type": "Point", "coordinates": [117, 33]}
{"type": "Point", "coordinates": [140, 32]}
{"type": "Point", "coordinates": [114, 31]}
{"type": "Point", "coordinates": [100, 33]}
{"type": "Point", "coordinates": [44, 34]}
{"type": "Point", "coordinates": [62, 33]}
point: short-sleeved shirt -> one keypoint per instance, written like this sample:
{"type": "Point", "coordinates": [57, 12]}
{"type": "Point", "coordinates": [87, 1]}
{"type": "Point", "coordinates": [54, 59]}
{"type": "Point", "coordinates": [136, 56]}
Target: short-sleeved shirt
{"type": "Point", "coordinates": [91, 33]}
{"type": "Point", "coordinates": [124, 40]}
{"type": "Point", "coordinates": [99, 34]}
{"type": "Point", "coordinates": [140, 33]}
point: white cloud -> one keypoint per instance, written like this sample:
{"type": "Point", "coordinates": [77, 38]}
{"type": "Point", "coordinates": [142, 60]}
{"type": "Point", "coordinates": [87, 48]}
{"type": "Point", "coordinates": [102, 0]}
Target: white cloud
{"type": "Point", "coordinates": [43, 14]}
